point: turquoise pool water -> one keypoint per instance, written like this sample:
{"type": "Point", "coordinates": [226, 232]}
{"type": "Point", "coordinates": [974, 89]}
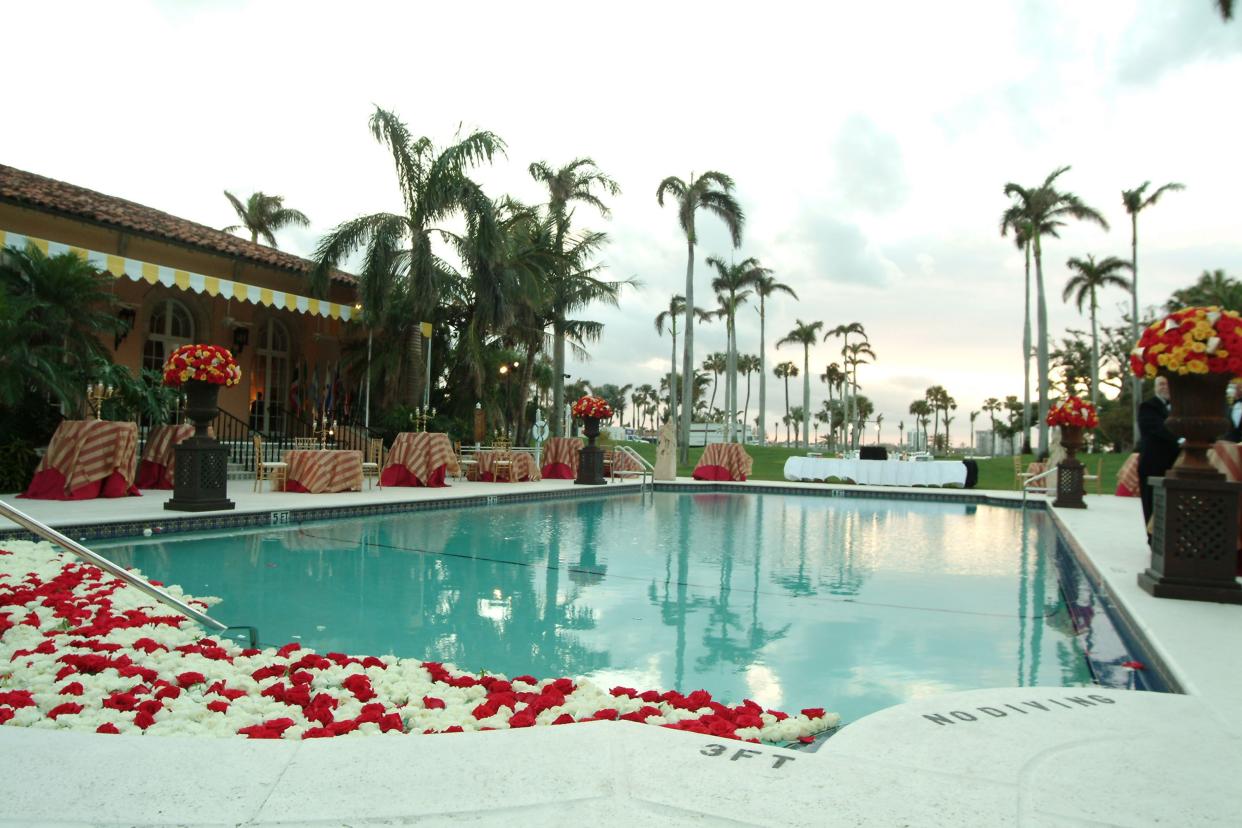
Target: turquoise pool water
{"type": "Point", "coordinates": [795, 601]}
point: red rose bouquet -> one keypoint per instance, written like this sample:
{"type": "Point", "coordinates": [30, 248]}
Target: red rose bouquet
{"type": "Point", "coordinates": [1190, 341]}
{"type": "Point", "coordinates": [592, 407]}
{"type": "Point", "coordinates": [1074, 413]}
{"type": "Point", "coordinates": [206, 363]}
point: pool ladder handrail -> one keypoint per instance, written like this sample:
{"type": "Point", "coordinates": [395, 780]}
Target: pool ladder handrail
{"type": "Point", "coordinates": [648, 470]}
{"type": "Point", "coordinates": [49, 534]}
{"type": "Point", "coordinates": [1027, 487]}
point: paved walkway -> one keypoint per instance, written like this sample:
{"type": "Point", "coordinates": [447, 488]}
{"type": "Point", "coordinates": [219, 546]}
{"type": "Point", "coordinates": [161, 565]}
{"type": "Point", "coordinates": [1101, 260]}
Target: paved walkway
{"type": "Point", "coordinates": [1000, 756]}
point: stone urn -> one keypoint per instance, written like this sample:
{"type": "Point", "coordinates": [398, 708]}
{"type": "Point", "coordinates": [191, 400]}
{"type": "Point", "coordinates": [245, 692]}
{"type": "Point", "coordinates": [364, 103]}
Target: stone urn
{"type": "Point", "coordinates": [1198, 414]}
{"type": "Point", "coordinates": [201, 483]}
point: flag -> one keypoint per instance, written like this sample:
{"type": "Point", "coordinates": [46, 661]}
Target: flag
{"type": "Point", "coordinates": [294, 405]}
{"type": "Point", "coordinates": [328, 396]}
{"type": "Point", "coordinates": [314, 391]}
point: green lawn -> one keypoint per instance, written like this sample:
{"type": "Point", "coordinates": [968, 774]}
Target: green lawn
{"type": "Point", "coordinates": [994, 472]}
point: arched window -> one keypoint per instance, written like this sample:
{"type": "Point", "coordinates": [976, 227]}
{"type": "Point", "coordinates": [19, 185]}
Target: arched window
{"type": "Point", "coordinates": [271, 376]}
{"type": "Point", "coordinates": [171, 326]}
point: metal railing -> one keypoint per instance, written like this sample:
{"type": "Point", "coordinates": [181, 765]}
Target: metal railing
{"type": "Point", "coordinates": [49, 534]}
{"type": "Point", "coordinates": [645, 469]}
{"type": "Point", "coordinates": [1027, 487]}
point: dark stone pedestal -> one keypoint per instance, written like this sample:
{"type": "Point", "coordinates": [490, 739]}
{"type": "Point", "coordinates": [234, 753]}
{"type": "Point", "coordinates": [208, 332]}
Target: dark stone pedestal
{"type": "Point", "coordinates": [201, 478]}
{"type": "Point", "coordinates": [1069, 485]}
{"type": "Point", "coordinates": [591, 467]}
{"type": "Point", "coordinates": [1194, 541]}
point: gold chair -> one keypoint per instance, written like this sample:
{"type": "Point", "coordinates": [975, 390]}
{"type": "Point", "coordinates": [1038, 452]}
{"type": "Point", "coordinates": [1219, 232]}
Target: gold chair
{"type": "Point", "coordinates": [504, 459]}
{"type": "Point", "coordinates": [373, 461]}
{"type": "Point", "coordinates": [466, 466]}
{"type": "Point", "coordinates": [1099, 474]}
{"type": "Point", "coordinates": [274, 471]}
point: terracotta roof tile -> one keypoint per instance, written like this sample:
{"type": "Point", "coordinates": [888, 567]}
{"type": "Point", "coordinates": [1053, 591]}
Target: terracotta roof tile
{"type": "Point", "coordinates": [30, 190]}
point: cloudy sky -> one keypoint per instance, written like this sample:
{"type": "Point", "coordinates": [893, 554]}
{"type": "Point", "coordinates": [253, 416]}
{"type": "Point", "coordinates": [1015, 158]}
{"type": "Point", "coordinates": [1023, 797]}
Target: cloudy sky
{"type": "Point", "coordinates": [869, 145]}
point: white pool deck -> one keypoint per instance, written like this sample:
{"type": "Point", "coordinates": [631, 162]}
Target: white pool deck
{"type": "Point", "coordinates": [1010, 756]}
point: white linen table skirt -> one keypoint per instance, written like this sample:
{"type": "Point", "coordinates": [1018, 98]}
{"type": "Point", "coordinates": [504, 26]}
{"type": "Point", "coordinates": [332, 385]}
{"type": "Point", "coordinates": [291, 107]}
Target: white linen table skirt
{"type": "Point", "coordinates": [878, 472]}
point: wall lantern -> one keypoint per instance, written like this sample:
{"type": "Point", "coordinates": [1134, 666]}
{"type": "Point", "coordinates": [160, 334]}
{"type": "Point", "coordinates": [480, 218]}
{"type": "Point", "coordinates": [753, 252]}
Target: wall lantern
{"type": "Point", "coordinates": [127, 315]}
{"type": "Point", "coordinates": [241, 337]}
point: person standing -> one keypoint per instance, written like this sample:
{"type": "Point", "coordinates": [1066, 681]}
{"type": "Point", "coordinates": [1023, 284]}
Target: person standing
{"type": "Point", "coordinates": [1158, 447]}
{"type": "Point", "coordinates": [1234, 412]}
{"type": "Point", "coordinates": [256, 412]}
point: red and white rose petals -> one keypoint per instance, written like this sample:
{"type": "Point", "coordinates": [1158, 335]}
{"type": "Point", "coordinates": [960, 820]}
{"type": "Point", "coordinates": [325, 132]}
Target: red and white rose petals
{"type": "Point", "coordinates": [81, 650]}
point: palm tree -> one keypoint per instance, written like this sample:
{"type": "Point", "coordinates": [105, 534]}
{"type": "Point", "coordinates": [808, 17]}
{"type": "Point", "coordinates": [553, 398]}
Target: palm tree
{"type": "Point", "coordinates": [731, 285]}
{"type": "Point", "coordinates": [716, 363]}
{"type": "Point", "coordinates": [676, 308]}
{"type": "Point", "coordinates": [713, 192]}
{"type": "Point", "coordinates": [901, 432]}
{"type": "Point", "coordinates": [845, 331]}
{"type": "Point", "coordinates": [856, 354]}
{"type": "Point", "coordinates": [879, 421]}
{"type": "Point", "coordinates": [973, 416]}
{"type": "Point", "coordinates": [578, 181]}
{"type": "Point", "coordinates": [935, 397]}
{"type": "Point", "coordinates": [765, 285]}
{"type": "Point", "coordinates": [833, 377]}
{"type": "Point", "coordinates": [1213, 288]}
{"type": "Point", "coordinates": [1226, 12]}
{"type": "Point", "coordinates": [806, 335]}
{"type": "Point", "coordinates": [399, 263]}
{"type": "Point", "coordinates": [747, 364]}
{"type": "Point", "coordinates": [54, 311]}
{"type": "Point", "coordinates": [863, 409]}
{"type": "Point", "coordinates": [1136, 201]}
{"type": "Point", "coordinates": [1089, 277]}
{"type": "Point", "coordinates": [1041, 205]}
{"type": "Point", "coordinates": [920, 410]}
{"type": "Point", "coordinates": [797, 417]}
{"type": "Point", "coordinates": [785, 370]}
{"type": "Point", "coordinates": [993, 407]}
{"type": "Point", "coordinates": [1014, 218]}
{"type": "Point", "coordinates": [950, 405]}
{"type": "Point", "coordinates": [263, 215]}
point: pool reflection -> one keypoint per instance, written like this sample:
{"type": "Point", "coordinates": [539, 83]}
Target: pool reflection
{"type": "Point", "coordinates": [854, 604]}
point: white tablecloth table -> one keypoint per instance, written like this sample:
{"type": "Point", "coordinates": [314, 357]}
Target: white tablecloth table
{"type": "Point", "coordinates": [878, 472]}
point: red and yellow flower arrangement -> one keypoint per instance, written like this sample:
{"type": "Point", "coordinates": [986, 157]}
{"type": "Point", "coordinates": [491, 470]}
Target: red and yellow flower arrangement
{"type": "Point", "coordinates": [1203, 340]}
{"type": "Point", "coordinates": [590, 406]}
{"type": "Point", "coordinates": [206, 363]}
{"type": "Point", "coordinates": [1074, 413]}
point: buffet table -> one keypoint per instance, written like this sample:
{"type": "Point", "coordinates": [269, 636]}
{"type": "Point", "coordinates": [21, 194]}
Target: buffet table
{"type": "Point", "coordinates": [723, 461]}
{"type": "Point", "coordinates": [878, 472]}
{"type": "Point", "coordinates": [323, 470]}
{"type": "Point", "coordinates": [87, 459]}
{"type": "Point", "coordinates": [419, 459]}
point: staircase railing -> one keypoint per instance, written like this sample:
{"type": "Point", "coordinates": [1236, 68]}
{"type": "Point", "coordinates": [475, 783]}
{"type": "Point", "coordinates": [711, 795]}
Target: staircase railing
{"type": "Point", "coordinates": [646, 469]}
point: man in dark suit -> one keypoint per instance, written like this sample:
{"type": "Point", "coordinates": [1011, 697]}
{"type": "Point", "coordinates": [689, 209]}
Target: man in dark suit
{"type": "Point", "coordinates": [1158, 447]}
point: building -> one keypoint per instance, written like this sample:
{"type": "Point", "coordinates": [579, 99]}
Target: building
{"type": "Point", "coordinates": [180, 282]}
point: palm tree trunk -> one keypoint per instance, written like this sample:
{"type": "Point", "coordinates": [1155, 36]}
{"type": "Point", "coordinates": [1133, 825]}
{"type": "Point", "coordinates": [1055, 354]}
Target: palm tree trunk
{"type": "Point", "coordinates": [1095, 353]}
{"type": "Point", "coordinates": [806, 395]}
{"type": "Point", "coordinates": [413, 375]}
{"type": "Point", "coordinates": [1136, 384]}
{"type": "Point", "coordinates": [558, 377]}
{"type": "Point", "coordinates": [786, 410]}
{"type": "Point", "coordinates": [746, 412]}
{"type": "Point", "coordinates": [731, 384]}
{"type": "Point", "coordinates": [763, 381]}
{"type": "Point", "coordinates": [715, 382]}
{"type": "Point", "coordinates": [1026, 352]}
{"type": "Point", "coordinates": [528, 371]}
{"type": "Point", "coordinates": [672, 379]}
{"type": "Point", "coordinates": [1041, 326]}
{"type": "Point", "coordinates": [687, 361]}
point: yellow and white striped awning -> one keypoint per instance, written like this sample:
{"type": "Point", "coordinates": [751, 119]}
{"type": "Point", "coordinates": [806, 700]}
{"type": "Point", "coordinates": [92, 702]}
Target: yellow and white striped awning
{"type": "Point", "coordinates": [140, 271]}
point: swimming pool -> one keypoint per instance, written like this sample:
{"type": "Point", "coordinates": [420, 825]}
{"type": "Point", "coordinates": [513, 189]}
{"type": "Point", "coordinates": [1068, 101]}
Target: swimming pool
{"type": "Point", "coordinates": [854, 604]}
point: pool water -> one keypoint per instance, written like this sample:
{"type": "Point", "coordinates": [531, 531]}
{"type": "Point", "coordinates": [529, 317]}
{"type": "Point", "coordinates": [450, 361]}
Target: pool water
{"type": "Point", "coordinates": [794, 601]}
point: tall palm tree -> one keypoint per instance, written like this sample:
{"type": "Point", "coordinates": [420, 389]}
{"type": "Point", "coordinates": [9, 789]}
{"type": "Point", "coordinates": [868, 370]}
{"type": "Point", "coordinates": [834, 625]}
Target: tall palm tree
{"type": "Point", "coordinates": [935, 397]}
{"type": "Point", "coordinates": [399, 262]}
{"type": "Point", "coordinates": [1015, 218]}
{"type": "Point", "coordinates": [1040, 205]}
{"type": "Point", "coordinates": [716, 364]}
{"type": "Point", "coordinates": [748, 364]}
{"type": "Point", "coordinates": [833, 377]}
{"type": "Point", "coordinates": [901, 433]}
{"type": "Point", "coordinates": [855, 354]}
{"type": "Point", "coordinates": [579, 181]}
{"type": "Point", "coordinates": [805, 334]}
{"type": "Point", "coordinates": [974, 415]}
{"type": "Point", "coordinates": [766, 285]}
{"type": "Point", "coordinates": [993, 406]}
{"type": "Point", "coordinates": [845, 332]}
{"type": "Point", "coordinates": [1136, 201]}
{"type": "Point", "coordinates": [713, 192]}
{"type": "Point", "coordinates": [879, 422]}
{"type": "Point", "coordinates": [732, 285]}
{"type": "Point", "coordinates": [785, 370]}
{"type": "Point", "coordinates": [676, 308]}
{"type": "Point", "coordinates": [263, 215]}
{"type": "Point", "coordinates": [797, 417]}
{"type": "Point", "coordinates": [1089, 277]}
{"type": "Point", "coordinates": [920, 410]}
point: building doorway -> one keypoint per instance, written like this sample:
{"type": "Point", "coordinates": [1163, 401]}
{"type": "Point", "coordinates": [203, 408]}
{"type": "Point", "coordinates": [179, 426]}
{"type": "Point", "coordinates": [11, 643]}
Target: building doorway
{"type": "Point", "coordinates": [271, 376]}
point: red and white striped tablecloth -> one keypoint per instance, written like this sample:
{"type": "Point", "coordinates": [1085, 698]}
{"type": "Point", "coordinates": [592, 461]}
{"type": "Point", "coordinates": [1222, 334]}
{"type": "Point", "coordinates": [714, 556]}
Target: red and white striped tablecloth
{"type": "Point", "coordinates": [323, 470]}
{"type": "Point", "coordinates": [419, 459]}
{"type": "Point", "coordinates": [159, 459]}
{"type": "Point", "coordinates": [523, 466]}
{"type": "Point", "coordinates": [560, 458]}
{"type": "Point", "coordinates": [86, 459]}
{"type": "Point", "coordinates": [723, 461]}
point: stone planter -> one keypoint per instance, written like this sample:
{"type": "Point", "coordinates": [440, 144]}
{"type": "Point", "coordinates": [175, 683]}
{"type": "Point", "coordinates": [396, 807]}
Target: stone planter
{"type": "Point", "coordinates": [1070, 470]}
{"type": "Point", "coordinates": [591, 459]}
{"type": "Point", "coordinates": [202, 463]}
